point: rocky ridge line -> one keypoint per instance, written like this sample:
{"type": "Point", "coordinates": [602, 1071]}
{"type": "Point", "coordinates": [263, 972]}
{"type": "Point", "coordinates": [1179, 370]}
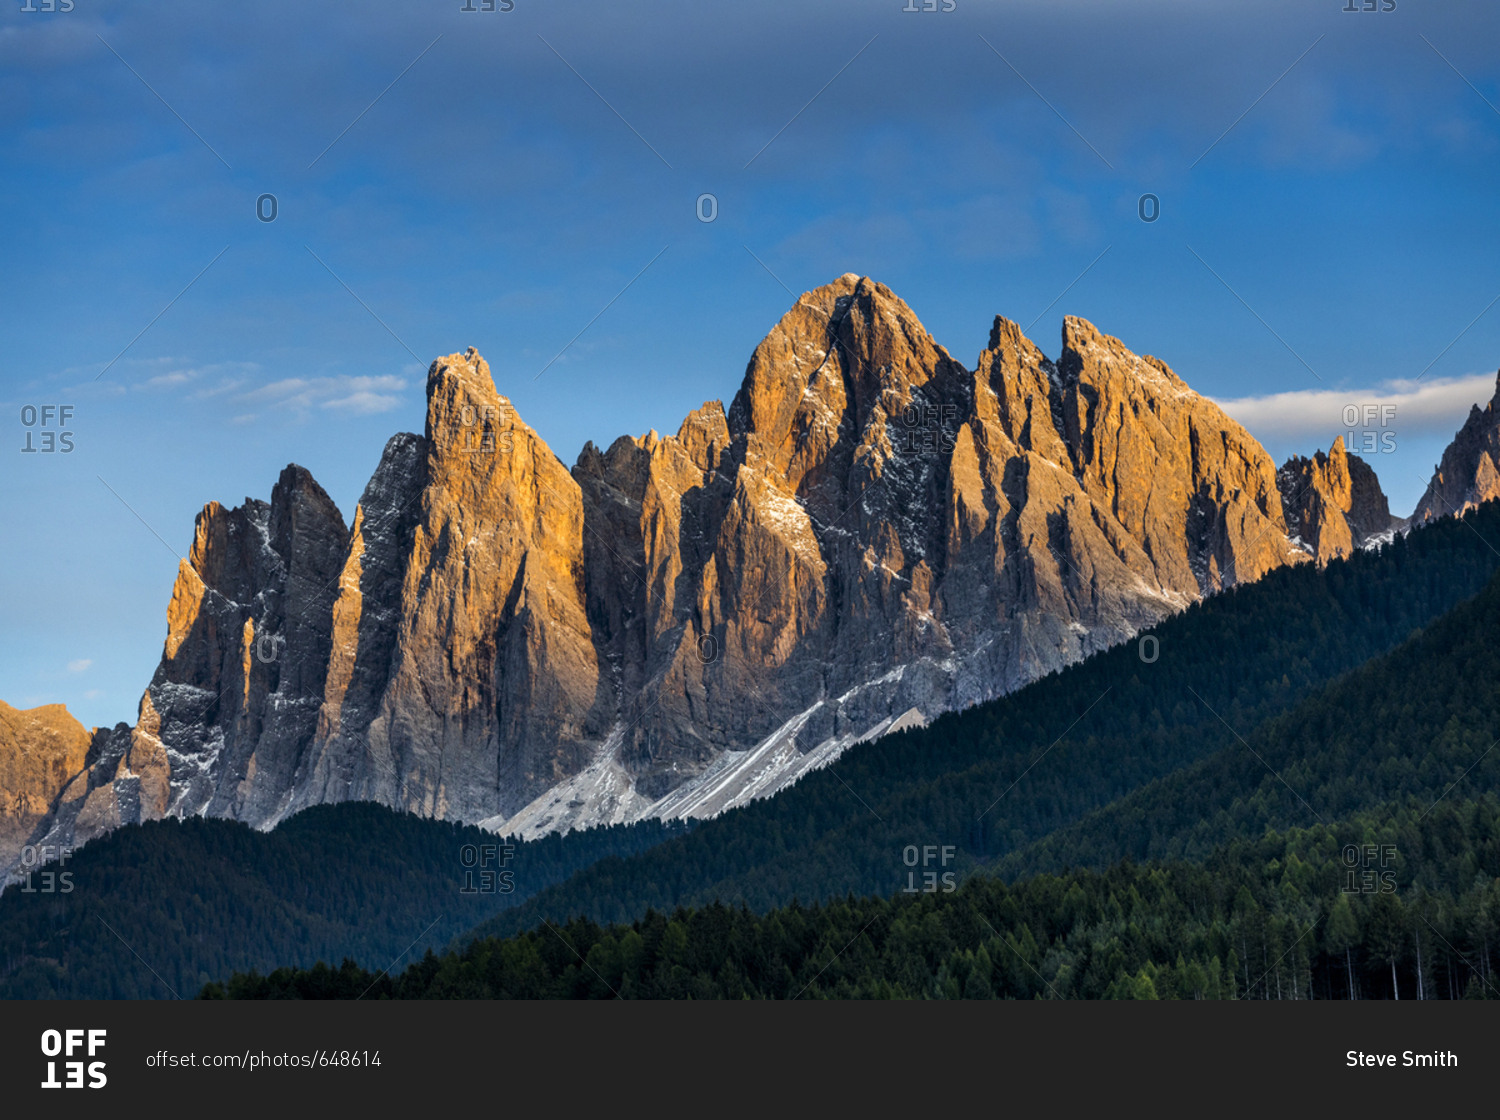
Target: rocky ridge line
{"type": "Point", "coordinates": [869, 535]}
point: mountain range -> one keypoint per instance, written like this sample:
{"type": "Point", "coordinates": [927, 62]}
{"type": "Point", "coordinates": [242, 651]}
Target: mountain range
{"type": "Point", "coordinates": [870, 535]}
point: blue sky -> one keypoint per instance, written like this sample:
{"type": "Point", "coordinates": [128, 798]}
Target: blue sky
{"type": "Point", "coordinates": [526, 165]}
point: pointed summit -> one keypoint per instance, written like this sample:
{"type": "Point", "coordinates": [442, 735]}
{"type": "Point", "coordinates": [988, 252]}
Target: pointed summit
{"type": "Point", "coordinates": [843, 362]}
{"type": "Point", "coordinates": [1182, 478]}
{"type": "Point", "coordinates": [462, 401]}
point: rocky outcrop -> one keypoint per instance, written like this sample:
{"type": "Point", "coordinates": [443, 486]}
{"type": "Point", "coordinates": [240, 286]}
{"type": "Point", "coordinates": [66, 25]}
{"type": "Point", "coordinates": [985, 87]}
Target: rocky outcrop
{"type": "Point", "coordinates": [1469, 472]}
{"type": "Point", "coordinates": [869, 535]}
{"type": "Point", "coordinates": [366, 628]}
{"type": "Point", "coordinates": [127, 779]}
{"type": "Point", "coordinates": [41, 751]}
{"type": "Point", "coordinates": [1334, 505]}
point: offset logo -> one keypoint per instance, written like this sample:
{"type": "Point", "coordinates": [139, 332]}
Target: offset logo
{"type": "Point", "coordinates": [493, 863]}
{"type": "Point", "coordinates": [45, 426]}
{"type": "Point", "coordinates": [34, 856]}
{"type": "Point", "coordinates": [928, 856]}
{"type": "Point", "coordinates": [66, 1044]}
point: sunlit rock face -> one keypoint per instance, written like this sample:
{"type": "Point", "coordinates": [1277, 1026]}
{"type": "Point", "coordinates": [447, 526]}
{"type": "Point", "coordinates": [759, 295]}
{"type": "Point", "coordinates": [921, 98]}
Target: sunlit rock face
{"type": "Point", "coordinates": [42, 750]}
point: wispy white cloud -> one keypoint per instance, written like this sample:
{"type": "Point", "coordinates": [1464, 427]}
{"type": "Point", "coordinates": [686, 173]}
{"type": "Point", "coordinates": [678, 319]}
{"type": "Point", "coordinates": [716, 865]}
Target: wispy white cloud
{"type": "Point", "coordinates": [224, 386]}
{"type": "Point", "coordinates": [356, 396]}
{"type": "Point", "coordinates": [146, 375]}
{"type": "Point", "coordinates": [1435, 407]}
{"type": "Point", "coordinates": [79, 665]}
{"type": "Point", "coordinates": [363, 402]}
{"type": "Point", "coordinates": [167, 380]}
{"type": "Point", "coordinates": [362, 395]}
{"type": "Point", "coordinates": [237, 383]}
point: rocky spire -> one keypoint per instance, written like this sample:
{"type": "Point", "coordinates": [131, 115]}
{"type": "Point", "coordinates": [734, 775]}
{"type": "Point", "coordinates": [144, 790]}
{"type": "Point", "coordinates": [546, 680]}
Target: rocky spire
{"type": "Point", "coordinates": [492, 695]}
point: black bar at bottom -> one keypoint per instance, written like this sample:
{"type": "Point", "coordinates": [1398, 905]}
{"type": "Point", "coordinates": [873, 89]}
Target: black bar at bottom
{"type": "Point", "coordinates": [217, 1056]}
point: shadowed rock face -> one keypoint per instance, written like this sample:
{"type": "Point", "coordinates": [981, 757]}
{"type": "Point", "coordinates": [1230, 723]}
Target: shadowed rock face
{"type": "Point", "coordinates": [1334, 504]}
{"type": "Point", "coordinates": [234, 703]}
{"type": "Point", "coordinates": [871, 534]}
{"type": "Point", "coordinates": [1470, 469]}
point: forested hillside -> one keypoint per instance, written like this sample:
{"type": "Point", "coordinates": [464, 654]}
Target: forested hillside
{"type": "Point", "coordinates": [1394, 903]}
{"type": "Point", "coordinates": [158, 909]}
{"type": "Point", "coordinates": [1419, 723]}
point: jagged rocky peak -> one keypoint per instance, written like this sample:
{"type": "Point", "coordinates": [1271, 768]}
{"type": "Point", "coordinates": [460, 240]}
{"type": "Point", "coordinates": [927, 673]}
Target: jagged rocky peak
{"type": "Point", "coordinates": [848, 359]}
{"type": "Point", "coordinates": [1334, 504]}
{"type": "Point", "coordinates": [366, 619]}
{"type": "Point", "coordinates": [234, 700]}
{"type": "Point", "coordinates": [1469, 472]}
{"type": "Point", "coordinates": [466, 415]}
{"type": "Point", "coordinates": [249, 569]}
{"type": "Point", "coordinates": [1195, 489]}
{"type": "Point", "coordinates": [1018, 389]}
{"type": "Point", "coordinates": [238, 551]}
{"type": "Point", "coordinates": [249, 640]}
